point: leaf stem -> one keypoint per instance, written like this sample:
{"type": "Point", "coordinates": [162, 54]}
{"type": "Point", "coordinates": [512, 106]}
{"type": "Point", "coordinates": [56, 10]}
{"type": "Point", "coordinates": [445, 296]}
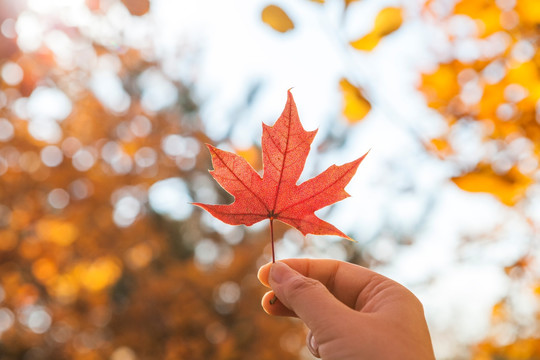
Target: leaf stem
{"type": "Point", "coordinates": [274, 299]}
{"type": "Point", "coordinates": [272, 237]}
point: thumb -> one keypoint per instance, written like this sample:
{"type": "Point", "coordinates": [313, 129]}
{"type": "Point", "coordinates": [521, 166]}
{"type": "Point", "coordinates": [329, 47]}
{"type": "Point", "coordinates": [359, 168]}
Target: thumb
{"type": "Point", "coordinates": [308, 298]}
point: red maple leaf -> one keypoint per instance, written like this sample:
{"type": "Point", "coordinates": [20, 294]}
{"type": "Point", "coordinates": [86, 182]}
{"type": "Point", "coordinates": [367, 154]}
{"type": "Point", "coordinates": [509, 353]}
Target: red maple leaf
{"type": "Point", "coordinates": [276, 195]}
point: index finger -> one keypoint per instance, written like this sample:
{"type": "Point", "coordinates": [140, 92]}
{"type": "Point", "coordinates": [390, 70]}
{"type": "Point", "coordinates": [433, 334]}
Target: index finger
{"type": "Point", "coordinates": [346, 281]}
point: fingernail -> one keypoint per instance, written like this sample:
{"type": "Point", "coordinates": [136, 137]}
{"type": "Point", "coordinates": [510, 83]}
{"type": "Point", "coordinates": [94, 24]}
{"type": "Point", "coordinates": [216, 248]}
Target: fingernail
{"type": "Point", "coordinates": [279, 272]}
{"type": "Point", "coordinates": [314, 344]}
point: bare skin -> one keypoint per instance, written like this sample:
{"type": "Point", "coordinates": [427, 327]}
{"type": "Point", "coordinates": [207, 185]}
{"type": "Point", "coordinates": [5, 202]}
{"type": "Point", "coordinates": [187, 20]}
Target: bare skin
{"type": "Point", "coordinates": [352, 312]}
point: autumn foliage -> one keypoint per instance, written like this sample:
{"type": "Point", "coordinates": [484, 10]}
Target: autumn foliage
{"type": "Point", "coordinates": [496, 89]}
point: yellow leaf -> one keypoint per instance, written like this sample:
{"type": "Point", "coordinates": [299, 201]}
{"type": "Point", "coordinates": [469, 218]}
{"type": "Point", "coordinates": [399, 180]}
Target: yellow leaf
{"type": "Point", "coordinates": [44, 270]}
{"type": "Point", "coordinates": [492, 97]}
{"type": "Point", "coordinates": [277, 19]}
{"type": "Point", "coordinates": [522, 349]}
{"type": "Point", "coordinates": [526, 74]}
{"type": "Point", "coordinates": [499, 311]}
{"type": "Point", "coordinates": [57, 231]}
{"type": "Point", "coordinates": [65, 288]}
{"type": "Point", "coordinates": [355, 105]}
{"type": "Point", "coordinates": [440, 86]}
{"type": "Point", "coordinates": [509, 188]}
{"type": "Point", "coordinates": [318, 1]}
{"type": "Point", "coordinates": [387, 21]}
{"type": "Point", "coordinates": [534, 92]}
{"type": "Point", "coordinates": [367, 42]}
{"type": "Point", "coordinates": [486, 13]}
{"type": "Point", "coordinates": [99, 274]}
{"type": "Point", "coordinates": [439, 146]}
{"type": "Point", "coordinates": [529, 11]}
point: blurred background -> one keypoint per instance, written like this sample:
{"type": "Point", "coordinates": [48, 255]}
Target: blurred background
{"type": "Point", "coordinates": [105, 106]}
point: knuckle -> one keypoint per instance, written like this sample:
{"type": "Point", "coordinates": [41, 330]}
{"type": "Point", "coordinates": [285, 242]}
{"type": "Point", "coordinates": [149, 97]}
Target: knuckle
{"type": "Point", "coordinates": [300, 286]}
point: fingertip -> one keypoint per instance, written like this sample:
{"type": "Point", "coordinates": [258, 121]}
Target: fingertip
{"type": "Point", "coordinates": [273, 306]}
{"type": "Point", "coordinates": [263, 273]}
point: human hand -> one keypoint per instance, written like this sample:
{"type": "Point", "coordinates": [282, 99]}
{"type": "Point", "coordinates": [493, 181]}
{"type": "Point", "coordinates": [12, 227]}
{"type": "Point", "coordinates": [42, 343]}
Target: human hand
{"type": "Point", "coordinates": [352, 312]}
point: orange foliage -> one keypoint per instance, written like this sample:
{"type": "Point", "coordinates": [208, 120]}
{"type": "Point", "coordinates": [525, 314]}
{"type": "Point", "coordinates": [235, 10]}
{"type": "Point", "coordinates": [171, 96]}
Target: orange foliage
{"type": "Point", "coordinates": [440, 86]}
{"type": "Point", "coordinates": [509, 188]}
{"type": "Point", "coordinates": [486, 14]}
{"type": "Point", "coordinates": [506, 89]}
{"type": "Point", "coordinates": [499, 90]}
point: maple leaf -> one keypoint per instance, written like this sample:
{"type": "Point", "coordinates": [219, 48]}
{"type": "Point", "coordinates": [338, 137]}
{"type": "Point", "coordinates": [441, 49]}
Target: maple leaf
{"type": "Point", "coordinates": [276, 195]}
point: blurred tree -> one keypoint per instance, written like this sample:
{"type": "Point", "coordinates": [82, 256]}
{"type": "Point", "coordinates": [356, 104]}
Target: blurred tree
{"type": "Point", "coordinates": [489, 80]}
{"type": "Point", "coordinates": [101, 255]}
